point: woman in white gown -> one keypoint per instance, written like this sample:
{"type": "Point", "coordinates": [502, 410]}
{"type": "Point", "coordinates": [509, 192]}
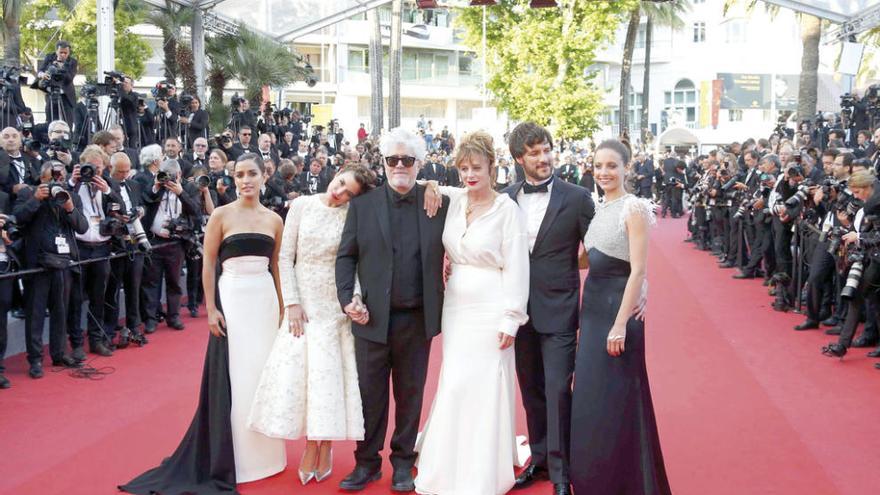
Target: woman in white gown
{"type": "Point", "coordinates": [309, 386]}
{"type": "Point", "coordinates": [468, 446]}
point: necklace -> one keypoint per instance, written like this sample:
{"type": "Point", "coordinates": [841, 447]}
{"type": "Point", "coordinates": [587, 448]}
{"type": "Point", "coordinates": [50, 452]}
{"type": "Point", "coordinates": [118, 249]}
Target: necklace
{"type": "Point", "coordinates": [471, 207]}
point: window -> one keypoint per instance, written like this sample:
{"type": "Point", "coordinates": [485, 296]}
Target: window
{"type": "Point", "coordinates": [410, 61]}
{"type": "Point", "coordinates": [735, 115]}
{"type": "Point", "coordinates": [358, 60]}
{"type": "Point", "coordinates": [699, 32]}
{"type": "Point", "coordinates": [465, 65]}
{"type": "Point", "coordinates": [682, 100]}
{"type": "Point", "coordinates": [641, 36]}
{"type": "Point", "coordinates": [735, 31]}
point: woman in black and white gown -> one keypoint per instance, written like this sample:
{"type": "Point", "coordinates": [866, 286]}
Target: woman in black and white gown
{"type": "Point", "coordinates": [242, 242]}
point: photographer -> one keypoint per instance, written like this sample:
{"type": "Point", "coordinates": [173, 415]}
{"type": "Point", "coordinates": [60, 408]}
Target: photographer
{"type": "Point", "coordinates": [287, 148]}
{"type": "Point", "coordinates": [60, 147]}
{"type": "Point", "coordinates": [57, 71]}
{"type": "Point", "coordinates": [151, 157]}
{"type": "Point", "coordinates": [742, 230]}
{"type": "Point", "coordinates": [89, 281]}
{"type": "Point", "coordinates": [128, 111]}
{"type": "Point", "coordinates": [220, 181]}
{"type": "Point", "coordinates": [675, 182]}
{"type": "Point", "coordinates": [146, 123]}
{"type": "Point", "coordinates": [87, 121]}
{"type": "Point", "coordinates": [167, 111]}
{"type": "Point", "coordinates": [207, 199]}
{"type": "Point", "coordinates": [863, 280]}
{"type": "Point", "coordinates": [171, 206]}
{"type": "Point", "coordinates": [273, 194]}
{"type": "Point", "coordinates": [6, 265]}
{"type": "Point", "coordinates": [242, 115]}
{"type": "Point", "coordinates": [126, 272]}
{"type": "Point", "coordinates": [49, 216]}
{"type": "Point", "coordinates": [195, 121]}
{"type": "Point", "coordinates": [762, 250]}
{"type": "Point", "coordinates": [17, 170]}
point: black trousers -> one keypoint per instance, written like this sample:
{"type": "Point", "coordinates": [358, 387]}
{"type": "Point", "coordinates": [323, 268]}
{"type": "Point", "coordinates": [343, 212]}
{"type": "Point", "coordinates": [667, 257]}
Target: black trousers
{"type": "Point", "coordinates": [820, 283]}
{"type": "Point", "coordinates": [194, 290]}
{"type": "Point", "coordinates": [763, 250]}
{"type": "Point", "coordinates": [782, 235]}
{"type": "Point", "coordinates": [867, 302]}
{"type": "Point", "coordinates": [125, 273]}
{"type": "Point", "coordinates": [89, 281]}
{"type": "Point", "coordinates": [404, 359]}
{"type": "Point", "coordinates": [5, 306]}
{"type": "Point", "coordinates": [49, 288]}
{"type": "Point", "coordinates": [544, 369]}
{"type": "Point", "coordinates": [165, 261]}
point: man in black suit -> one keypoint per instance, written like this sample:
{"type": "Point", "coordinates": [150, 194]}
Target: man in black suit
{"type": "Point", "coordinates": [58, 70]}
{"type": "Point", "coordinates": [644, 170]}
{"type": "Point", "coordinates": [195, 122]}
{"type": "Point", "coordinates": [48, 225]}
{"type": "Point", "coordinates": [6, 265]}
{"type": "Point", "coordinates": [166, 114]}
{"type": "Point", "coordinates": [397, 253]}
{"type": "Point", "coordinates": [127, 271]}
{"type": "Point", "coordinates": [16, 168]}
{"type": "Point", "coordinates": [244, 145]}
{"type": "Point", "coordinates": [557, 216]}
{"type": "Point", "coordinates": [119, 134]}
{"type": "Point", "coordinates": [128, 109]}
{"type": "Point", "coordinates": [433, 170]}
{"type": "Point", "coordinates": [264, 149]}
{"type": "Point", "coordinates": [313, 181]}
{"type": "Point", "coordinates": [151, 157]}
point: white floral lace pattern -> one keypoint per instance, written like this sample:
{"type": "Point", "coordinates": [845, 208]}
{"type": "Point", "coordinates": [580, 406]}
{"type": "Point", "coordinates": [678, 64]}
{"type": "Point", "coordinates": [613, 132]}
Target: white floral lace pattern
{"type": "Point", "coordinates": [309, 385]}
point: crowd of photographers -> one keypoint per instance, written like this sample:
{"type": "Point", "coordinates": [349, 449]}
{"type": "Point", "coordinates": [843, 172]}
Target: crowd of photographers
{"type": "Point", "coordinates": [800, 210]}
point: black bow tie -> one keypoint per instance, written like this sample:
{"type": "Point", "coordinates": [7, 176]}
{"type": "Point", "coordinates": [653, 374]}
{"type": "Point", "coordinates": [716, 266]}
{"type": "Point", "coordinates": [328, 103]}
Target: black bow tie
{"type": "Point", "coordinates": [529, 189]}
{"type": "Point", "coordinates": [409, 199]}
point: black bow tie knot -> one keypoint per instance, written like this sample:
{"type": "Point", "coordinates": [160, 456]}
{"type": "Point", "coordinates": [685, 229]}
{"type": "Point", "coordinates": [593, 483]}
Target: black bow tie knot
{"type": "Point", "coordinates": [529, 189]}
{"type": "Point", "coordinates": [409, 199]}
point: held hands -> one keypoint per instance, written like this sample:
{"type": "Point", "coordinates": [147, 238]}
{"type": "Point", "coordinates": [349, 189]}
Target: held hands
{"type": "Point", "coordinates": [616, 339]}
{"type": "Point", "coordinates": [357, 311]}
{"type": "Point", "coordinates": [296, 320]}
{"type": "Point", "coordinates": [433, 198]}
{"type": "Point", "coordinates": [216, 323]}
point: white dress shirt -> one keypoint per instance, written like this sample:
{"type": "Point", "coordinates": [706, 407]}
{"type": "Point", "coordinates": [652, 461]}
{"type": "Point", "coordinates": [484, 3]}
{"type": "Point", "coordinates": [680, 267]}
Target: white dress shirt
{"type": "Point", "coordinates": [534, 206]}
{"type": "Point", "coordinates": [93, 209]}
{"type": "Point", "coordinates": [169, 208]}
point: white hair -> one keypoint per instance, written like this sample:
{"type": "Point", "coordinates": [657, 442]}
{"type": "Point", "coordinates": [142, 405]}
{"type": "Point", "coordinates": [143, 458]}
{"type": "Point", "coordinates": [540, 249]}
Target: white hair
{"type": "Point", "coordinates": [400, 136]}
{"type": "Point", "coordinates": [55, 124]}
{"type": "Point", "coordinates": [172, 166]}
{"type": "Point", "coordinates": [150, 153]}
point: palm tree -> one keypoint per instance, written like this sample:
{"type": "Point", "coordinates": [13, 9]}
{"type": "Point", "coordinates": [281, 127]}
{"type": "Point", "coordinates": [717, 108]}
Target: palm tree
{"type": "Point", "coordinates": [665, 14]}
{"type": "Point", "coordinates": [811, 31]}
{"type": "Point", "coordinates": [12, 31]}
{"type": "Point", "coordinates": [626, 68]}
{"type": "Point", "coordinates": [170, 21]}
{"type": "Point", "coordinates": [375, 61]}
{"type": "Point", "coordinates": [394, 66]}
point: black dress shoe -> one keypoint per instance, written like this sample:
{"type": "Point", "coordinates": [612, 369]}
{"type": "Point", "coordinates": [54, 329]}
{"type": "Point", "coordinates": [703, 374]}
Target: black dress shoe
{"type": "Point", "coordinates": [834, 350]}
{"type": "Point", "coordinates": [530, 474]}
{"type": "Point", "coordinates": [175, 323]}
{"type": "Point", "coordinates": [830, 322]}
{"type": "Point", "coordinates": [875, 353]}
{"type": "Point", "coordinates": [561, 489]}
{"type": "Point", "coordinates": [727, 264]}
{"type": "Point", "coordinates": [402, 480]}
{"type": "Point", "coordinates": [150, 326]}
{"type": "Point", "coordinates": [742, 275]}
{"type": "Point", "coordinates": [807, 325]}
{"type": "Point", "coordinates": [359, 478]}
{"type": "Point", "coordinates": [863, 341]}
{"type": "Point", "coordinates": [36, 370]}
{"type": "Point", "coordinates": [194, 312]}
{"type": "Point", "coordinates": [4, 382]}
{"type": "Point", "coordinates": [67, 362]}
{"type": "Point", "coordinates": [835, 330]}
{"type": "Point", "coordinates": [100, 349]}
{"type": "Point", "coordinates": [78, 354]}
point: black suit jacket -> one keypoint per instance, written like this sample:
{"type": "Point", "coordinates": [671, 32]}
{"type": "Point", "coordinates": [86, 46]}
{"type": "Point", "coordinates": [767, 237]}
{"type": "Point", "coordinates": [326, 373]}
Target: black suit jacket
{"type": "Point", "coordinates": [365, 249]}
{"type": "Point", "coordinates": [304, 183]}
{"type": "Point", "coordinates": [67, 86]}
{"type": "Point", "coordinates": [434, 171]}
{"type": "Point", "coordinates": [42, 221]}
{"type": "Point", "coordinates": [237, 150]}
{"type": "Point", "coordinates": [554, 279]}
{"type": "Point", "coordinates": [190, 206]}
{"type": "Point", "coordinates": [198, 127]}
{"type": "Point", "coordinates": [9, 176]}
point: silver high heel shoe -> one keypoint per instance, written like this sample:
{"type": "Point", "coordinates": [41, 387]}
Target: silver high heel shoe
{"type": "Point", "coordinates": [305, 477]}
{"type": "Point", "coordinates": [319, 477]}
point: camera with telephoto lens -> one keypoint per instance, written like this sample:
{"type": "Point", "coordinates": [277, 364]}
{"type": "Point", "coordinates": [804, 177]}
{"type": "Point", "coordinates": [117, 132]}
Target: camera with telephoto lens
{"type": "Point", "coordinates": [163, 177]}
{"type": "Point", "coordinates": [60, 145]}
{"type": "Point", "coordinates": [203, 181]}
{"type": "Point", "coordinates": [57, 191]}
{"type": "Point", "coordinates": [182, 229]}
{"type": "Point", "coordinates": [223, 141]}
{"type": "Point", "coordinates": [800, 195]}
{"type": "Point", "coordinates": [57, 72]}
{"type": "Point", "coordinates": [87, 172]}
{"type": "Point", "coordinates": [131, 232]}
{"type": "Point", "coordinates": [847, 102]}
{"type": "Point", "coordinates": [215, 176]}
{"type": "Point", "coordinates": [11, 228]}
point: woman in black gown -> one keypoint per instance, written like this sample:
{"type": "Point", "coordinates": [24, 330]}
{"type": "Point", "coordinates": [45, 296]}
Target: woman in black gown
{"type": "Point", "coordinates": [615, 447]}
{"type": "Point", "coordinates": [242, 242]}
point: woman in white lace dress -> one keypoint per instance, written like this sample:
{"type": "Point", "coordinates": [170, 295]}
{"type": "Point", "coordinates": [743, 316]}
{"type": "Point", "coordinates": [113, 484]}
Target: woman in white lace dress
{"type": "Point", "coordinates": [469, 443]}
{"type": "Point", "coordinates": [309, 385]}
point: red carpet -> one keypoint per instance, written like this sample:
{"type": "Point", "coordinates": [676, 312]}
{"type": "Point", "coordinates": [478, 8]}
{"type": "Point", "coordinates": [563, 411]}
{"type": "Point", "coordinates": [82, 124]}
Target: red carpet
{"type": "Point", "coordinates": [745, 404]}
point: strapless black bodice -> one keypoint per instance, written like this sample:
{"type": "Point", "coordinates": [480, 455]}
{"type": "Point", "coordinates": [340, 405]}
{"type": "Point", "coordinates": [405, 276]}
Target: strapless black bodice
{"type": "Point", "coordinates": [246, 244]}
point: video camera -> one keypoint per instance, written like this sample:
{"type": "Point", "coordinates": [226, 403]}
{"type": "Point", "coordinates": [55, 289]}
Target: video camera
{"type": "Point", "coordinates": [12, 77]}
{"type": "Point", "coordinates": [162, 90]}
{"type": "Point", "coordinates": [185, 101]}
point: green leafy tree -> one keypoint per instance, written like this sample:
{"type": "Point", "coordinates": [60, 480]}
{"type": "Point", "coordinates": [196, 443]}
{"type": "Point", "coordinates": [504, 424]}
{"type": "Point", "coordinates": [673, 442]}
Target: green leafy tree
{"type": "Point", "coordinates": [537, 60]}
{"type": "Point", "coordinates": [12, 31]}
{"type": "Point", "coordinates": [171, 20]}
{"type": "Point", "coordinates": [76, 24]}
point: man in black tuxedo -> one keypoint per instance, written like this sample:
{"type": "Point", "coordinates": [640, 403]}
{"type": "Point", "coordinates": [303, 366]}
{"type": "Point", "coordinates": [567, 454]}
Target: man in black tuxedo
{"type": "Point", "coordinates": [264, 149]}
{"type": "Point", "coordinates": [195, 122]}
{"type": "Point", "coordinates": [313, 181]}
{"type": "Point", "coordinates": [16, 168]}
{"type": "Point", "coordinates": [167, 110]}
{"type": "Point", "coordinates": [557, 214]}
{"type": "Point", "coordinates": [127, 271]}
{"type": "Point", "coordinates": [244, 144]}
{"type": "Point", "coordinates": [644, 170]}
{"type": "Point", "coordinates": [397, 253]}
{"type": "Point", "coordinates": [58, 69]}
{"type": "Point", "coordinates": [119, 134]}
{"type": "Point", "coordinates": [128, 109]}
{"type": "Point", "coordinates": [433, 170]}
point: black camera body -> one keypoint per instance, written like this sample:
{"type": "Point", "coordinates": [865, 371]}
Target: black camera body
{"type": "Point", "coordinates": [11, 228]}
{"type": "Point", "coordinates": [87, 172]}
{"type": "Point", "coordinates": [163, 177]}
{"type": "Point", "coordinates": [162, 90]}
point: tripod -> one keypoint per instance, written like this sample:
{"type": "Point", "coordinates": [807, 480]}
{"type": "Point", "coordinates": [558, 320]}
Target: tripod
{"type": "Point", "coordinates": [90, 124]}
{"type": "Point", "coordinates": [8, 113]}
{"type": "Point", "coordinates": [56, 106]}
{"type": "Point", "coordinates": [112, 115]}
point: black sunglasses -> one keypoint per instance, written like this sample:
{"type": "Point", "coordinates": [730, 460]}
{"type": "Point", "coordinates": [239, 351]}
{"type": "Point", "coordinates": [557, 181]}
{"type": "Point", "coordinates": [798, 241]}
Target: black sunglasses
{"type": "Point", "coordinates": [407, 161]}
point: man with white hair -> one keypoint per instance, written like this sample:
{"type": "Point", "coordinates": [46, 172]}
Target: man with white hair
{"type": "Point", "coordinates": [169, 201]}
{"type": "Point", "coordinates": [59, 134]}
{"type": "Point", "coordinates": [397, 252]}
{"type": "Point", "coordinates": [150, 158]}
